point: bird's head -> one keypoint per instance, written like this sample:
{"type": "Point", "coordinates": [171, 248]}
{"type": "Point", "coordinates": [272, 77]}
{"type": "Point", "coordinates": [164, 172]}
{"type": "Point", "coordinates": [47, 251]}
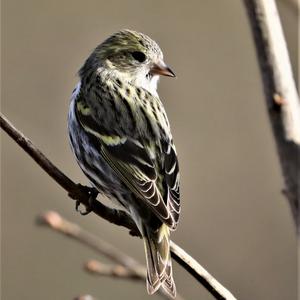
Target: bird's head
{"type": "Point", "coordinates": [131, 54]}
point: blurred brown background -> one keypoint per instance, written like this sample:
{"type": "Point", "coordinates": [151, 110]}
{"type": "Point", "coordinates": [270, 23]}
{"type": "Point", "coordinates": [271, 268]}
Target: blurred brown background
{"type": "Point", "coordinates": [234, 219]}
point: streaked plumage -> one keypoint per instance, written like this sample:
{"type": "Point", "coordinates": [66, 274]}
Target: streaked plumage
{"type": "Point", "coordinates": [120, 135]}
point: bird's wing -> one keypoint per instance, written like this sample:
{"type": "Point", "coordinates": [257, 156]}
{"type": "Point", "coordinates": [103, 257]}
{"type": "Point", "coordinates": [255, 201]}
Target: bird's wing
{"type": "Point", "coordinates": [131, 161]}
{"type": "Point", "coordinates": [172, 177]}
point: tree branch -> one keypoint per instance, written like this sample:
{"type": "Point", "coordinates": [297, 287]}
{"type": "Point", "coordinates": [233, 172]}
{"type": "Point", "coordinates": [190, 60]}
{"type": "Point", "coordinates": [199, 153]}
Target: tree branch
{"type": "Point", "coordinates": [280, 93]}
{"type": "Point", "coordinates": [82, 193]}
{"type": "Point", "coordinates": [196, 270]}
{"type": "Point", "coordinates": [75, 191]}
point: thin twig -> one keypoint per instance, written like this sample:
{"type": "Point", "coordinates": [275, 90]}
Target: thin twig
{"type": "Point", "coordinates": [127, 267]}
{"type": "Point", "coordinates": [280, 93]}
{"type": "Point", "coordinates": [95, 267]}
{"type": "Point", "coordinates": [81, 193]}
{"type": "Point", "coordinates": [55, 221]}
{"type": "Point", "coordinates": [117, 271]}
{"type": "Point", "coordinates": [85, 297]}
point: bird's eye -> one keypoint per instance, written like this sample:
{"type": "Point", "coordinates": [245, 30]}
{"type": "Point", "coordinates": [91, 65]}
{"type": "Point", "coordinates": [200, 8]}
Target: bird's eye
{"type": "Point", "coordinates": [139, 56]}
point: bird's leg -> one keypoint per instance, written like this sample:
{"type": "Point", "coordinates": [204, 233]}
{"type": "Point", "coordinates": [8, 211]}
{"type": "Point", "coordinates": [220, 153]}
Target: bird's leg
{"type": "Point", "coordinates": [93, 193]}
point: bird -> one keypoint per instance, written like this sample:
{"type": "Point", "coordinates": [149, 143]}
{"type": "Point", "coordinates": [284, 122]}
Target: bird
{"type": "Point", "coordinates": [121, 137]}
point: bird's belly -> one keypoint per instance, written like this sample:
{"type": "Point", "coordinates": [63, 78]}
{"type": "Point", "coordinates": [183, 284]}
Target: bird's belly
{"type": "Point", "coordinates": [87, 152]}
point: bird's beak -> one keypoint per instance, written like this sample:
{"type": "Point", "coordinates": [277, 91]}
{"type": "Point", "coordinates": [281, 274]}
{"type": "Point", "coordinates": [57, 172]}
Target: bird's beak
{"type": "Point", "coordinates": [160, 68]}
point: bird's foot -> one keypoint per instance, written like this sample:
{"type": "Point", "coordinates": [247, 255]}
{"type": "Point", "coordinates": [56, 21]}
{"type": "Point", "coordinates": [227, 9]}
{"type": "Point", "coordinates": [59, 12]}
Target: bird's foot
{"type": "Point", "coordinates": [93, 193]}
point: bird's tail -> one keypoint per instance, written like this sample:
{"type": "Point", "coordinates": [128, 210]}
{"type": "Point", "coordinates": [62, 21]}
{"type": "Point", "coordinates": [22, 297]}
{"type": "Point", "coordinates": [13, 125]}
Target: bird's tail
{"type": "Point", "coordinates": [158, 257]}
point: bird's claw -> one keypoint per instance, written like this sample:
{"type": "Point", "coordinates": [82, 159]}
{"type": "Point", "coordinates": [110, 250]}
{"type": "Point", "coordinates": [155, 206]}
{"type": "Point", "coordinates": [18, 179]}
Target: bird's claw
{"type": "Point", "coordinates": [89, 208]}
